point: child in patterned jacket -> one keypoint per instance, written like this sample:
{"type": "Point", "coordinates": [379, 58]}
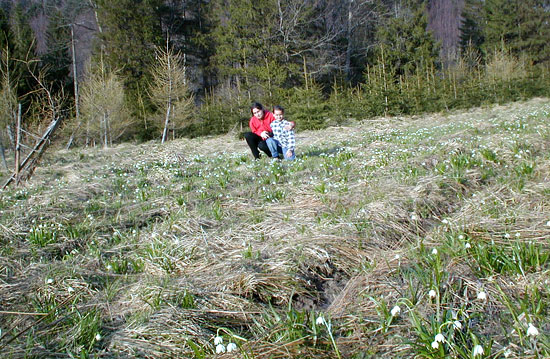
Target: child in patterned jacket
{"type": "Point", "coordinates": [283, 140]}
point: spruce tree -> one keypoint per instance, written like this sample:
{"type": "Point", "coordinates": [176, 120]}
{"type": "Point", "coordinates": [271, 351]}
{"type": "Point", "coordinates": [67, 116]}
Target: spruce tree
{"type": "Point", "coordinates": [408, 46]}
{"type": "Point", "coordinates": [23, 50]}
{"type": "Point", "coordinates": [130, 31]}
{"type": "Point", "coordinates": [5, 34]}
{"type": "Point", "coordinates": [533, 30]}
{"type": "Point", "coordinates": [245, 50]}
{"type": "Point", "coordinates": [56, 61]}
{"type": "Point", "coordinates": [501, 24]}
{"type": "Point", "coordinates": [471, 27]}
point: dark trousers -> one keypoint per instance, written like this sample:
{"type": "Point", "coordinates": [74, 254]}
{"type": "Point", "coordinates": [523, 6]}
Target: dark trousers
{"type": "Point", "coordinates": [255, 142]}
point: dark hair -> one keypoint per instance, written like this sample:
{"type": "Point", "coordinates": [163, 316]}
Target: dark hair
{"type": "Point", "coordinates": [278, 108]}
{"type": "Point", "coordinates": [256, 105]}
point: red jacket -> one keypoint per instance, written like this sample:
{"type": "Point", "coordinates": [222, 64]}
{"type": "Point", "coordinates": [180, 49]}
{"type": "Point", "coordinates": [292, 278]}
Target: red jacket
{"type": "Point", "coordinates": [259, 126]}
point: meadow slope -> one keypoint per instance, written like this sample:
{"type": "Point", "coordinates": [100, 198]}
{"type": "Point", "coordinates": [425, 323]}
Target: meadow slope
{"type": "Point", "coordinates": [388, 238]}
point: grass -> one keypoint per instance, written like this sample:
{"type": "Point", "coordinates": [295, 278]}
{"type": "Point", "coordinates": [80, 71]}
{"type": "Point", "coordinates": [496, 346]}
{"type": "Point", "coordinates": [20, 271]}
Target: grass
{"type": "Point", "coordinates": [158, 251]}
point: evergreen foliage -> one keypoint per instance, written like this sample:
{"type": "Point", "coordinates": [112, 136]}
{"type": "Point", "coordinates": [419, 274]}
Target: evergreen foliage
{"type": "Point", "coordinates": [23, 52]}
{"type": "Point", "coordinates": [56, 61]}
{"type": "Point", "coordinates": [130, 30]}
{"type": "Point", "coordinates": [471, 29]}
{"type": "Point", "coordinates": [405, 44]}
{"type": "Point", "coordinates": [501, 24]}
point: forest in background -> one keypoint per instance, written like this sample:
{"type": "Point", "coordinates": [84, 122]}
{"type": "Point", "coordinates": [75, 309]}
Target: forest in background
{"type": "Point", "coordinates": [156, 69]}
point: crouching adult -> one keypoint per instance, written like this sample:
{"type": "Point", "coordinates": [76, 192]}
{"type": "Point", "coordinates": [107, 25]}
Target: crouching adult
{"type": "Point", "coordinates": [260, 127]}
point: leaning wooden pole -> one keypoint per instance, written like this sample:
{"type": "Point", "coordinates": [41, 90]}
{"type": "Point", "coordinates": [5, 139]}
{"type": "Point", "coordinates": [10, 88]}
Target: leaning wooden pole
{"type": "Point", "coordinates": [37, 150]}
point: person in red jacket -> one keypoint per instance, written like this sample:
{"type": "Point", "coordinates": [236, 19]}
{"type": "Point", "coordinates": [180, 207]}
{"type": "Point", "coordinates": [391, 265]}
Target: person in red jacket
{"type": "Point", "coordinates": [260, 125]}
{"type": "Point", "coordinates": [261, 130]}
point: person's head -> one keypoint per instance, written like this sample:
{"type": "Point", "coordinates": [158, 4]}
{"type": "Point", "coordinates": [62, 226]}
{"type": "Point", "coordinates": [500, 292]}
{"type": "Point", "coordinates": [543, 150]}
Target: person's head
{"type": "Point", "coordinates": [257, 110]}
{"type": "Point", "coordinates": [278, 112]}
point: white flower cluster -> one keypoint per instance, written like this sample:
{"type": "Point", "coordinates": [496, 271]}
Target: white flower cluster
{"type": "Point", "coordinates": [221, 348]}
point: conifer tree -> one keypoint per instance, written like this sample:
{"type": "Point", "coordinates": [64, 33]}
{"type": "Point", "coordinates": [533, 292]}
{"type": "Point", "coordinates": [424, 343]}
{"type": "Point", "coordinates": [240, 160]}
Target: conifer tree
{"type": "Point", "coordinates": [56, 61]}
{"type": "Point", "coordinates": [501, 24]}
{"type": "Point", "coordinates": [130, 31]}
{"type": "Point", "coordinates": [408, 45]}
{"type": "Point", "coordinates": [471, 27]}
{"type": "Point", "coordinates": [23, 50]}
{"type": "Point", "coordinates": [245, 50]}
{"type": "Point", "coordinates": [533, 30]}
{"type": "Point", "coordinates": [5, 35]}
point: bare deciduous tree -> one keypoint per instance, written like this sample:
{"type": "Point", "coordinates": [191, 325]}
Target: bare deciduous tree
{"type": "Point", "coordinates": [104, 113]}
{"type": "Point", "coordinates": [169, 90]}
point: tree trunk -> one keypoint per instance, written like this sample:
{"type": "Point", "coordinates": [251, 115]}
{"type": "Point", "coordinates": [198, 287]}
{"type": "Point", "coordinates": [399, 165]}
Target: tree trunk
{"type": "Point", "coordinates": [347, 69]}
{"type": "Point", "coordinates": [76, 95]}
{"type": "Point", "coordinates": [166, 121]}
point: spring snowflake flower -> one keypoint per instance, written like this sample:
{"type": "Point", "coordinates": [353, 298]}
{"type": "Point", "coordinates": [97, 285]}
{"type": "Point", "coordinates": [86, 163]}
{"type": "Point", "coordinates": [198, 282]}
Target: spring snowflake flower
{"type": "Point", "coordinates": [397, 256]}
{"type": "Point", "coordinates": [507, 236]}
{"type": "Point", "coordinates": [414, 217]}
{"type": "Point", "coordinates": [457, 325]}
{"type": "Point", "coordinates": [395, 311]}
{"type": "Point", "coordinates": [439, 338]}
{"type": "Point", "coordinates": [482, 295]}
{"type": "Point", "coordinates": [49, 281]}
{"type": "Point", "coordinates": [434, 251]}
{"type": "Point", "coordinates": [467, 245]}
{"type": "Point", "coordinates": [70, 289]}
{"type": "Point", "coordinates": [432, 293]}
{"type": "Point", "coordinates": [445, 221]}
{"type": "Point", "coordinates": [231, 347]}
{"type": "Point", "coordinates": [435, 345]}
{"type": "Point", "coordinates": [320, 320]}
{"type": "Point", "coordinates": [220, 348]}
{"type": "Point", "coordinates": [98, 337]}
{"type": "Point", "coordinates": [478, 350]}
{"type": "Point", "coordinates": [532, 331]}
{"type": "Point", "coordinates": [218, 340]}
{"type": "Point", "coordinates": [548, 224]}
{"type": "Point", "coordinates": [460, 236]}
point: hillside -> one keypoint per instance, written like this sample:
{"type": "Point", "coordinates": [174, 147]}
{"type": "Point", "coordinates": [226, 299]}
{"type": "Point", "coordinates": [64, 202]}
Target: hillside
{"type": "Point", "coordinates": [380, 236]}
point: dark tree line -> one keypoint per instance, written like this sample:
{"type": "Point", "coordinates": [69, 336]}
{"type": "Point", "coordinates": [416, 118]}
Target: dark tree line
{"type": "Point", "coordinates": [295, 52]}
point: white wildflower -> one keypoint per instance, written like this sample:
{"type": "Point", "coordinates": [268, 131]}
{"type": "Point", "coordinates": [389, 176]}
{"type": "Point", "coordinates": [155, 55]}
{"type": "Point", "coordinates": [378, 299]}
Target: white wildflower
{"type": "Point", "coordinates": [218, 340]}
{"type": "Point", "coordinates": [231, 347]}
{"type": "Point", "coordinates": [98, 337]}
{"type": "Point", "coordinates": [532, 331]}
{"type": "Point", "coordinates": [460, 236]}
{"type": "Point", "coordinates": [397, 256]}
{"type": "Point", "coordinates": [320, 320]}
{"type": "Point", "coordinates": [478, 350]}
{"type": "Point", "coordinates": [435, 345]}
{"type": "Point", "coordinates": [220, 348]}
{"type": "Point", "coordinates": [482, 295]}
{"type": "Point", "coordinates": [445, 221]}
{"type": "Point", "coordinates": [439, 338]}
{"type": "Point", "coordinates": [70, 289]}
{"type": "Point", "coordinates": [434, 251]}
{"type": "Point", "coordinates": [395, 311]}
{"type": "Point", "coordinates": [507, 236]}
{"type": "Point", "coordinates": [414, 217]}
{"type": "Point", "coordinates": [467, 245]}
{"type": "Point", "coordinates": [432, 293]}
{"type": "Point", "coordinates": [457, 325]}
{"type": "Point", "coordinates": [49, 281]}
